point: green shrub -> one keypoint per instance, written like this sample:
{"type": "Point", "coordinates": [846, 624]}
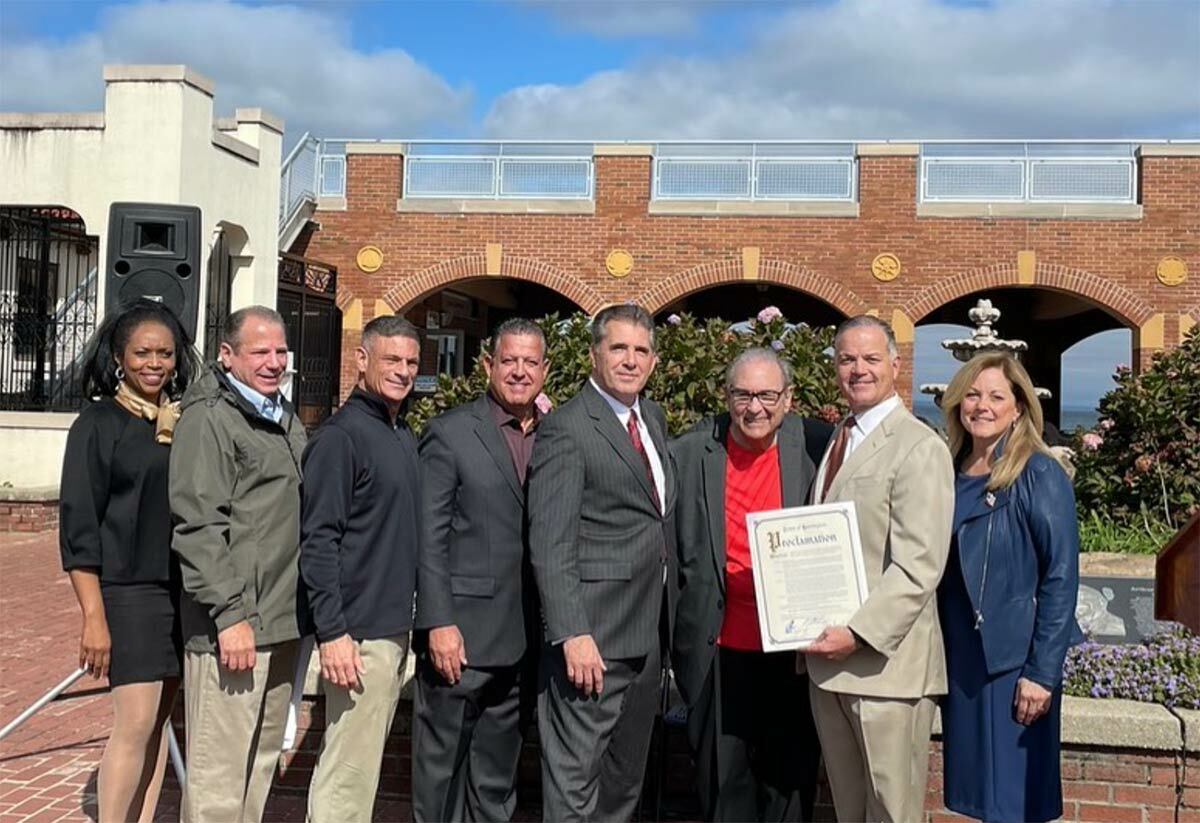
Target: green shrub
{"type": "Point", "coordinates": [1098, 533]}
{"type": "Point", "coordinates": [689, 379]}
{"type": "Point", "coordinates": [1140, 466]}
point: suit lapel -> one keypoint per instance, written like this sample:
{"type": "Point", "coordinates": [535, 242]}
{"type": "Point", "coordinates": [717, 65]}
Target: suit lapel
{"type": "Point", "coordinates": [862, 456]}
{"type": "Point", "coordinates": [610, 429]}
{"type": "Point", "coordinates": [713, 469]}
{"type": "Point", "coordinates": [795, 468]}
{"type": "Point", "coordinates": [658, 434]}
{"type": "Point", "coordinates": [493, 442]}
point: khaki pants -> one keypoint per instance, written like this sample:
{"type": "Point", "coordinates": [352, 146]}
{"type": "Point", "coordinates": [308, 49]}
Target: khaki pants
{"type": "Point", "coordinates": [357, 724]}
{"type": "Point", "coordinates": [876, 754]}
{"type": "Point", "coordinates": [235, 725]}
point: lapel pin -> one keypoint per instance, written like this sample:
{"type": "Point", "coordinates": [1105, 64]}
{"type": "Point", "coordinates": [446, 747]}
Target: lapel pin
{"type": "Point", "coordinates": [990, 499]}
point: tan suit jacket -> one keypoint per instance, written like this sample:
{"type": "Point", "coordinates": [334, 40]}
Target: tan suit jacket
{"type": "Point", "coordinates": [901, 479]}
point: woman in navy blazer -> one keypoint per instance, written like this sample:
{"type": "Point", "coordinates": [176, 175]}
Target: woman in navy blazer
{"type": "Point", "coordinates": [1007, 599]}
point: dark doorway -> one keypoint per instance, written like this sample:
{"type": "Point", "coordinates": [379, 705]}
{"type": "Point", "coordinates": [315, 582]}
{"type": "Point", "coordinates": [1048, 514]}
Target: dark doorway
{"type": "Point", "coordinates": [314, 331]}
{"type": "Point", "coordinates": [48, 288]}
{"type": "Point", "coordinates": [736, 302]}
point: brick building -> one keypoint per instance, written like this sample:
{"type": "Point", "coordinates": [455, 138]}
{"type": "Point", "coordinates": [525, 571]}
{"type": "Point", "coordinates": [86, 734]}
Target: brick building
{"type": "Point", "coordinates": [1068, 239]}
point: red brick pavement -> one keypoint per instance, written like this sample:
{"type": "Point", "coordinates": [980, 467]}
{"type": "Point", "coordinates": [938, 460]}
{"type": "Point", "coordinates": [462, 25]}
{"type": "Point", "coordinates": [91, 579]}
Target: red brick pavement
{"type": "Point", "coordinates": [48, 765]}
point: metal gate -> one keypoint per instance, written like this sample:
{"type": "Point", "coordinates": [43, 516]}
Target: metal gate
{"type": "Point", "coordinates": [314, 331]}
{"type": "Point", "coordinates": [48, 272]}
{"type": "Point", "coordinates": [217, 296]}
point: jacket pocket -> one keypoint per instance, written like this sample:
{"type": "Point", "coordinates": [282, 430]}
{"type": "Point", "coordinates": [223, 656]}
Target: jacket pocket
{"type": "Point", "coordinates": [472, 586]}
{"type": "Point", "coordinates": [598, 570]}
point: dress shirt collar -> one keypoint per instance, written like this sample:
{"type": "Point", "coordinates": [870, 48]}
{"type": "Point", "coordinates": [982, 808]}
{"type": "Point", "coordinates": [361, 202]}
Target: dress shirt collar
{"type": "Point", "coordinates": [868, 421]}
{"type": "Point", "coordinates": [269, 407]}
{"type": "Point", "coordinates": [619, 408]}
{"type": "Point", "coordinates": [504, 417]}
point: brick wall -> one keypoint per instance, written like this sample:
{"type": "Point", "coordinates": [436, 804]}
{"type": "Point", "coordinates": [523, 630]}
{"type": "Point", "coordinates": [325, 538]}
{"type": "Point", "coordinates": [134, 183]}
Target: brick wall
{"type": "Point", "coordinates": [1110, 263]}
{"type": "Point", "coordinates": [1099, 784]}
{"type": "Point", "coordinates": [28, 515]}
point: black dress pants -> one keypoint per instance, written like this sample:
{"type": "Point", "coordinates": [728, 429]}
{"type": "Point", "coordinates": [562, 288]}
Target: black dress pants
{"type": "Point", "coordinates": [758, 758]}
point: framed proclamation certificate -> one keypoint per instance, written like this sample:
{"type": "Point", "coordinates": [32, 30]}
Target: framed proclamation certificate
{"type": "Point", "coordinates": [808, 571]}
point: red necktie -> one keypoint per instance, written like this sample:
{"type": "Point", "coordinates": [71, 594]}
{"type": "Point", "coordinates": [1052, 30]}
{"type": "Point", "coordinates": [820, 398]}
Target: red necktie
{"type": "Point", "coordinates": [635, 437]}
{"type": "Point", "coordinates": [837, 455]}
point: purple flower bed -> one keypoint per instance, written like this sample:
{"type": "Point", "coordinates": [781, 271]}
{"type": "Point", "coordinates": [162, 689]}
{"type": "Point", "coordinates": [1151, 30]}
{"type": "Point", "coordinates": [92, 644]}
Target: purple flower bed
{"type": "Point", "coordinates": [1163, 669]}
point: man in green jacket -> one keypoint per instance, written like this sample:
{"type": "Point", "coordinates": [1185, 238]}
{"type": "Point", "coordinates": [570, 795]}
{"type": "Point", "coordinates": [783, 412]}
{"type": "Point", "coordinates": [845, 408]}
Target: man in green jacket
{"type": "Point", "coordinates": [235, 496]}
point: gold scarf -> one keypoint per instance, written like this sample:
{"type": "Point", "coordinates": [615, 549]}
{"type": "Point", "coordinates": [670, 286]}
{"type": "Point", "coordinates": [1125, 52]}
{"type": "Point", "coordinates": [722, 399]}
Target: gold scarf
{"type": "Point", "coordinates": [165, 415]}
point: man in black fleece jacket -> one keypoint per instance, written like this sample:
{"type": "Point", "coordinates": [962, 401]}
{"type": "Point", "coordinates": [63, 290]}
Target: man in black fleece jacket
{"type": "Point", "coordinates": [358, 554]}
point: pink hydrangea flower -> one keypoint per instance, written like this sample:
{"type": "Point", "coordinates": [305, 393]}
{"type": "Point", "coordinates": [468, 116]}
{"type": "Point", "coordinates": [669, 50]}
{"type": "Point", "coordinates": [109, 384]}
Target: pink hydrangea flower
{"type": "Point", "coordinates": [674, 319]}
{"type": "Point", "coordinates": [768, 314]}
{"type": "Point", "coordinates": [1106, 424]}
{"type": "Point", "coordinates": [1092, 441]}
{"type": "Point", "coordinates": [544, 404]}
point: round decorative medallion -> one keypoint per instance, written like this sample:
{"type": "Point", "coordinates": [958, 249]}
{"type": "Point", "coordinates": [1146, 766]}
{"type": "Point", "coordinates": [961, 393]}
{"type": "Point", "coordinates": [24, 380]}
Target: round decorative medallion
{"type": "Point", "coordinates": [619, 263]}
{"type": "Point", "coordinates": [369, 259]}
{"type": "Point", "coordinates": [886, 267]}
{"type": "Point", "coordinates": [1172, 271]}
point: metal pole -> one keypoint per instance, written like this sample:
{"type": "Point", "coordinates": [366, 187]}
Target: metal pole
{"type": "Point", "coordinates": [176, 756]}
{"type": "Point", "coordinates": [42, 701]}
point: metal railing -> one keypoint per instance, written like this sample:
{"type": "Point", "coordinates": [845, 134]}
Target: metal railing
{"type": "Point", "coordinates": [755, 171]}
{"type": "Point", "coordinates": [498, 171]}
{"type": "Point", "coordinates": [48, 292]}
{"type": "Point", "coordinates": [1059, 172]}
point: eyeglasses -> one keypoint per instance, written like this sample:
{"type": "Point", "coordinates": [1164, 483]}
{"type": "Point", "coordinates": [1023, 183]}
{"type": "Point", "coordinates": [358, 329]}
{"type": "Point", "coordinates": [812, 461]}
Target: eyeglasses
{"type": "Point", "coordinates": [768, 398]}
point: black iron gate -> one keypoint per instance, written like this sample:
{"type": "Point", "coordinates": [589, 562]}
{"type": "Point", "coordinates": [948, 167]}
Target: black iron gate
{"type": "Point", "coordinates": [314, 330]}
{"type": "Point", "coordinates": [48, 272]}
{"type": "Point", "coordinates": [218, 294]}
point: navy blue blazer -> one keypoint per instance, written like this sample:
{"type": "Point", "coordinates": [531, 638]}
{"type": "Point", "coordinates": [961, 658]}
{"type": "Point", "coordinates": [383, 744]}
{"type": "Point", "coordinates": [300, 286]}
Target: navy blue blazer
{"type": "Point", "coordinates": [1019, 552]}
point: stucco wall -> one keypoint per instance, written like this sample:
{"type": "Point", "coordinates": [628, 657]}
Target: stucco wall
{"type": "Point", "coordinates": [156, 141]}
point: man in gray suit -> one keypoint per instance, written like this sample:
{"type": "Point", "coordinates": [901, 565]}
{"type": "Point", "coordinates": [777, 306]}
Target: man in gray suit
{"type": "Point", "coordinates": [600, 492]}
{"type": "Point", "coordinates": [477, 629]}
{"type": "Point", "coordinates": [749, 722]}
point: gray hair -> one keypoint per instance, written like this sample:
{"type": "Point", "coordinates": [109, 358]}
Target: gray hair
{"type": "Point", "coordinates": [625, 312]}
{"type": "Point", "coordinates": [518, 326]}
{"type": "Point", "coordinates": [231, 327]}
{"type": "Point", "coordinates": [868, 321]}
{"type": "Point", "coordinates": [389, 325]}
{"type": "Point", "coordinates": [756, 355]}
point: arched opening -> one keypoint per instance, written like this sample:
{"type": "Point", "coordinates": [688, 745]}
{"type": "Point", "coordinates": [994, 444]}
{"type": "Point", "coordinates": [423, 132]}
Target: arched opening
{"type": "Point", "coordinates": [458, 317]}
{"type": "Point", "coordinates": [1051, 322]}
{"type": "Point", "coordinates": [736, 302]}
{"type": "Point", "coordinates": [49, 272]}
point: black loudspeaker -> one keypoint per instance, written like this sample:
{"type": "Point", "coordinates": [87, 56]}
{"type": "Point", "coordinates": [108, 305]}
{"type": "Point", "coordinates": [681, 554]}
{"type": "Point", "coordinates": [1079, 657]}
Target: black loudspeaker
{"type": "Point", "coordinates": [154, 252]}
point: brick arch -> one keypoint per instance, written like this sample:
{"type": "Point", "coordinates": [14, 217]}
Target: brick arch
{"type": "Point", "coordinates": [1112, 297]}
{"type": "Point", "coordinates": [409, 290]}
{"type": "Point", "coordinates": [730, 270]}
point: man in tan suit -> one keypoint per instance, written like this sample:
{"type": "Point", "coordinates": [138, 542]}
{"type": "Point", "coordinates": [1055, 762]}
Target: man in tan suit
{"type": "Point", "coordinates": [874, 680]}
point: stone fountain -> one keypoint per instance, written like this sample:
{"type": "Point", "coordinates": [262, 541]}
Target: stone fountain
{"type": "Point", "coordinates": [982, 341]}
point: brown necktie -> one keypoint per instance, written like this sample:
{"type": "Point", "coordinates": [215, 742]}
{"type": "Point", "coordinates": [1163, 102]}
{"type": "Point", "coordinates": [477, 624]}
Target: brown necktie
{"type": "Point", "coordinates": [635, 436]}
{"type": "Point", "coordinates": [837, 455]}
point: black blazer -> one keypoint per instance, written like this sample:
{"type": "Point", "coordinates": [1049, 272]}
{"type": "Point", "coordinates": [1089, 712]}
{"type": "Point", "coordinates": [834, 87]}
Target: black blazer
{"type": "Point", "coordinates": [699, 458]}
{"type": "Point", "coordinates": [473, 564]}
{"type": "Point", "coordinates": [597, 539]}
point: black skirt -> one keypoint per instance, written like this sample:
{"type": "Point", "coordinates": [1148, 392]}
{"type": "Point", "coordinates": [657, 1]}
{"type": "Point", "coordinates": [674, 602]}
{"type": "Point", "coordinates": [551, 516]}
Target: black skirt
{"type": "Point", "coordinates": [143, 621]}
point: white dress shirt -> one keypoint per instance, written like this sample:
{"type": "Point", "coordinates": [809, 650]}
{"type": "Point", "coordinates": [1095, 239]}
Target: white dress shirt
{"type": "Point", "coordinates": [864, 424]}
{"type": "Point", "coordinates": [656, 467]}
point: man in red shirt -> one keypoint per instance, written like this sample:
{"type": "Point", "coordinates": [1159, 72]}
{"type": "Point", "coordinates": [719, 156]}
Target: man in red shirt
{"type": "Point", "coordinates": [749, 722]}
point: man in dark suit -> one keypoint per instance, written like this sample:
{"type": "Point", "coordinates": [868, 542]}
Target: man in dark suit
{"type": "Point", "coordinates": [600, 493]}
{"type": "Point", "coordinates": [476, 602]}
{"type": "Point", "coordinates": [749, 724]}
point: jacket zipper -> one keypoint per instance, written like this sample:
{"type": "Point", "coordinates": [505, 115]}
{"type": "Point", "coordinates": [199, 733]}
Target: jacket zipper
{"type": "Point", "coordinates": [987, 551]}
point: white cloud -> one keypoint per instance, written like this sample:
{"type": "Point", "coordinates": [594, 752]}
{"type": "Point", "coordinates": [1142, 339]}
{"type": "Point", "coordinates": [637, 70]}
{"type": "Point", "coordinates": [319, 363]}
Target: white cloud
{"type": "Point", "coordinates": [628, 18]}
{"type": "Point", "coordinates": [297, 62]}
{"type": "Point", "coordinates": [904, 68]}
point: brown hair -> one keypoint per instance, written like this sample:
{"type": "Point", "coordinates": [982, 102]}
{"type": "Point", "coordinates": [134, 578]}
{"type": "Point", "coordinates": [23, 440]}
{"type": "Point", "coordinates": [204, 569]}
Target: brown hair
{"type": "Point", "coordinates": [1026, 435]}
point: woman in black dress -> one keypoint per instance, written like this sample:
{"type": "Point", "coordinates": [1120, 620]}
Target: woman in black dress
{"type": "Point", "coordinates": [115, 538]}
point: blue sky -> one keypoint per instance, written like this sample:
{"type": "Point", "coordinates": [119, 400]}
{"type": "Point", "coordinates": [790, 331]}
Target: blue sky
{"type": "Point", "coordinates": [660, 69]}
